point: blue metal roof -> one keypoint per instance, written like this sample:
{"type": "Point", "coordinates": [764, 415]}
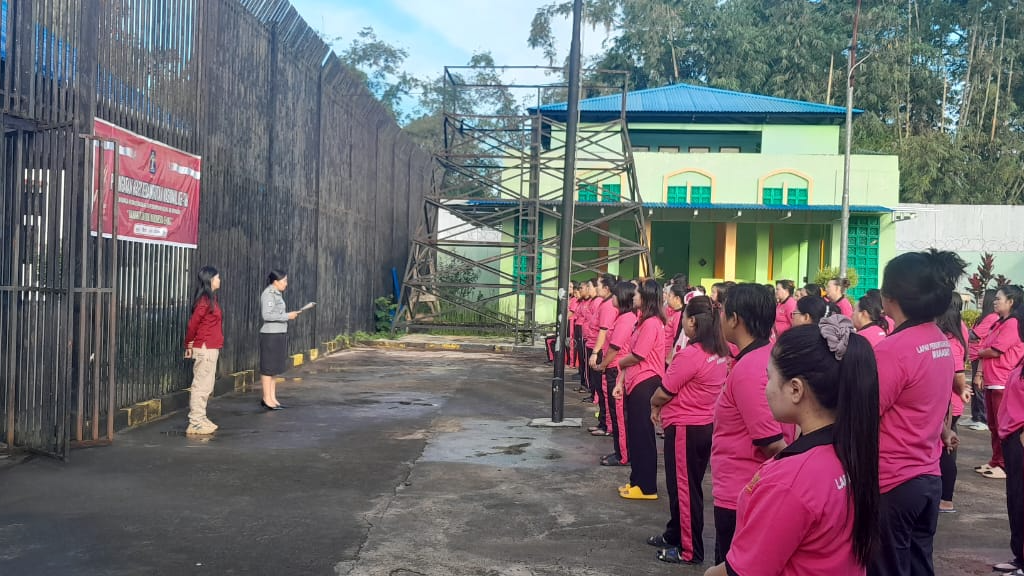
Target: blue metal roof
{"type": "Point", "coordinates": [863, 209]}
{"type": "Point", "coordinates": [689, 99]}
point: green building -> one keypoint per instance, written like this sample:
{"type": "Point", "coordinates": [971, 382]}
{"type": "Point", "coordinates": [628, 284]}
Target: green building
{"type": "Point", "coordinates": [734, 187]}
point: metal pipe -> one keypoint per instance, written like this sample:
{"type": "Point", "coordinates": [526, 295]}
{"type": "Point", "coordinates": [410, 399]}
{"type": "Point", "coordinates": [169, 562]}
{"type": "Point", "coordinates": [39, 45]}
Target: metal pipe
{"type": "Point", "coordinates": [844, 238]}
{"type": "Point", "coordinates": [568, 216]}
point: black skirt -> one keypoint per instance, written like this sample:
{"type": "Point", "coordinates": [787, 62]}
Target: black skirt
{"type": "Point", "coordinates": [273, 353]}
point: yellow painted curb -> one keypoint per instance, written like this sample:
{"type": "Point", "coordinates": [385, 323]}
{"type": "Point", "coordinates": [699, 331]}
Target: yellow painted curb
{"type": "Point", "coordinates": [443, 346]}
{"type": "Point", "coordinates": [313, 354]}
{"type": "Point", "coordinates": [297, 360]}
{"type": "Point", "coordinates": [142, 412]}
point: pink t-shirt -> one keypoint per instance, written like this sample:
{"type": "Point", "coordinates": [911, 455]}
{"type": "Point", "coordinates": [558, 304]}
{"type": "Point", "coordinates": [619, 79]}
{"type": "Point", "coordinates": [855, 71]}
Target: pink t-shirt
{"type": "Point", "coordinates": [959, 358]}
{"type": "Point", "coordinates": [590, 321]}
{"type": "Point", "coordinates": [795, 516]}
{"type": "Point", "coordinates": [582, 313]}
{"type": "Point", "coordinates": [694, 379]}
{"type": "Point", "coordinates": [845, 308]}
{"type": "Point", "coordinates": [648, 344]}
{"type": "Point", "coordinates": [607, 312]}
{"type": "Point", "coordinates": [784, 316]}
{"type": "Point", "coordinates": [1011, 410]}
{"type": "Point", "coordinates": [873, 334]}
{"type": "Point", "coordinates": [981, 330]}
{"type": "Point", "coordinates": [890, 325]}
{"type": "Point", "coordinates": [915, 364]}
{"type": "Point", "coordinates": [673, 318]}
{"type": "Point", "coordinates": [1004, 338]}
{"type": "Point", "coordinates": [743, 421]}
{"type": "Point", "coordinates": [619, 336]}
{"type": "Point", "coordinates": [573, 305]}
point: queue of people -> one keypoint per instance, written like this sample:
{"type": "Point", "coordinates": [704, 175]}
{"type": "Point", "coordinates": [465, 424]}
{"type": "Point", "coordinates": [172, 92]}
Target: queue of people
{"type": "Point", "coordinates": [829, 425]}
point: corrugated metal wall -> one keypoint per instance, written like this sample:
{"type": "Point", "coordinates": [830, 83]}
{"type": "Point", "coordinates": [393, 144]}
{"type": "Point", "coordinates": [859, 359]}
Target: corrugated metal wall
{"type": "Point", "coordinates": [302, 168]}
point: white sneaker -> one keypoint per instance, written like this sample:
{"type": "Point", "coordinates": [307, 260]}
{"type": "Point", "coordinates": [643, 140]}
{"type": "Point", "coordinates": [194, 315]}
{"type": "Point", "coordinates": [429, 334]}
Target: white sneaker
{"type": "Point", "coordinates": [979, 426]}
{"type": "Point", "coordinates": [201, 429]}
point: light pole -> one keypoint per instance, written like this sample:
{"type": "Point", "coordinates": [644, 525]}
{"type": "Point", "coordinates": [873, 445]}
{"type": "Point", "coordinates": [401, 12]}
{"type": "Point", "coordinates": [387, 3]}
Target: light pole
{"type": "Point", "coordinates": [844, 239]}
{"type": "Point", "coordinates": [568, 215]}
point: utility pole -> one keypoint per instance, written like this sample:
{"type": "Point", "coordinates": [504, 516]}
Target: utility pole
{"type": "Point", "coordinates": [568, 216]}
{"type": "Point", "coordinates": [844, 239]}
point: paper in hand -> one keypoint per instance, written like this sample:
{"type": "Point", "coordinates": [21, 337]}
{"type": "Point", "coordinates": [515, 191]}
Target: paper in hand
{"type": "Point", "coordinates": [307, 306]}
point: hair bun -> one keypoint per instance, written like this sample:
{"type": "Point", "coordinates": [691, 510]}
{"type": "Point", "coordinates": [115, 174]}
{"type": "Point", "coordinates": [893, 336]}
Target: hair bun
{"type": "Point", "coordinates": [836, 330]}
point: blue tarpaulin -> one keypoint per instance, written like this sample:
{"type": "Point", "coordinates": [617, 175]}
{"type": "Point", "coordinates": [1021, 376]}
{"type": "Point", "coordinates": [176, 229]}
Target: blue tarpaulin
{"type": "Point", "coordinates": [3, 29]}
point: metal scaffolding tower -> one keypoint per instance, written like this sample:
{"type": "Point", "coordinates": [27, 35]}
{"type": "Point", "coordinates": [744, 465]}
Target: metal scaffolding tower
{"type": "Point", "coordinates": [481, 260]}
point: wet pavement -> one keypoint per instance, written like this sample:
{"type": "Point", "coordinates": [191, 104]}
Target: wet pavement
{"type": "Point", "coordinates": [386, 463]}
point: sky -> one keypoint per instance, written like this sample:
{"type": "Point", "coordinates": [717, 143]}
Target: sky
{"type": "Point", "coordinates": [439, 33]}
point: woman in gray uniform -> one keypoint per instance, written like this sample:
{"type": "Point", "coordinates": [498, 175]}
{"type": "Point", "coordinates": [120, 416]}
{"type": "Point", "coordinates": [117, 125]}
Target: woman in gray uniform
{"type": "Point", "coordinates": [274, 336]}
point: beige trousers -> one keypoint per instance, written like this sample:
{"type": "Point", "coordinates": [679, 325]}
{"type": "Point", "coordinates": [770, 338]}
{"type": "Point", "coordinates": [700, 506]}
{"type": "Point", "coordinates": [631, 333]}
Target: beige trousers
{"type": "Point", "coordinates": [204, 373]}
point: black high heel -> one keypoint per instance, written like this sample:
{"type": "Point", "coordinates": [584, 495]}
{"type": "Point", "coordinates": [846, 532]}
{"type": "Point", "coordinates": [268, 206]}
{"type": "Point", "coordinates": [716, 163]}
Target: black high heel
{"type": "Point", "coordinates": [269, 407]}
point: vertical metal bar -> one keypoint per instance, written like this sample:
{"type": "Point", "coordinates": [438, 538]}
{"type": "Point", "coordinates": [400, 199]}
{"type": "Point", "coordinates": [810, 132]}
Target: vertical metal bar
{"type": "Point", "coordinates": [97, 297]}
{"type": "Point", "coordinates": [112, 328]}
{"type": "Point", "coordinates": [13, 297]}
{"type": "Point", "coordinates": [568, 215]}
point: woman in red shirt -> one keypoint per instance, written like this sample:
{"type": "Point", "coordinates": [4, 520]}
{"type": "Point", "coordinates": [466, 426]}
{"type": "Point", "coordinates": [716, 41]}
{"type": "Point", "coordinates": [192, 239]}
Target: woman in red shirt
{"type": "Point", "coordinates": [641, 372]}
{"type": "Point", "coordinates": [1001, 351]}
{"type": "Point", "coordinates": [813, 508]}
{"type": "Point", "coordinates": [684, 406]}
{"type": "Point", "coordinates": [203, 341]}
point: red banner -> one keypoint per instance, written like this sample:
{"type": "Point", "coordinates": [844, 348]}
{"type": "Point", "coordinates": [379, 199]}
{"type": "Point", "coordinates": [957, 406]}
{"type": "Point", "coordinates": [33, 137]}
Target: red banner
{"type": "Point", "coordinates": [157, 188]}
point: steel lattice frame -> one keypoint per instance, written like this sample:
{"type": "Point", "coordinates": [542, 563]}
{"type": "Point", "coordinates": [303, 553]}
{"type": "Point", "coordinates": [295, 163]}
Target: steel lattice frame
{"type": "Point", "coordinates": [502, 173]}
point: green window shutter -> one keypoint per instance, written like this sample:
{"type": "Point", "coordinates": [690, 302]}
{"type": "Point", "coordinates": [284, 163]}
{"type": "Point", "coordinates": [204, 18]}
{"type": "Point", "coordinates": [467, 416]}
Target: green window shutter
{"type": "Point", "coordinates": [587, 193]}
{"type": "Point", "coordinates": [676, 195]}
{"type": "Point", "coordinates": [771, 196]}
{"type": "Point", "coordinates": [611, 193]}
{"type": "Point", "coordinates": [700, 194]}
{"type": "Point", "coordinates": [797, 197]}
{"type": "Point", "coordinates": [863, 252]}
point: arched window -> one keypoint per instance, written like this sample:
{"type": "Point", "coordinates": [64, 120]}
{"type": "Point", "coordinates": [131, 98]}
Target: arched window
{"type": "Point", "coordinates": [689, 186]}
{"type": "Point", "coordinates": [785, 188]}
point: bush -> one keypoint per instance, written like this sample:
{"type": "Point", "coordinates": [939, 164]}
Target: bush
{"type": "Point", "coordinates": [383, 311]}
{"type": "Point", "coordinates": [970, 317]}
{"type": "Point", "coordinates": [826, 274]}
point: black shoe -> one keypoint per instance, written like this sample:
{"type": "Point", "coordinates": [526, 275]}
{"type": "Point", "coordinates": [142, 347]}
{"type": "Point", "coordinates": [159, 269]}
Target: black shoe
{"type": "Point", "coordinates": [269, 407]}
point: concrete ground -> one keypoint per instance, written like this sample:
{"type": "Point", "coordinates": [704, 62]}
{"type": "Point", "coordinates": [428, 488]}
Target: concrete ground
{"type": "Point", "coordinates": [386, 463]}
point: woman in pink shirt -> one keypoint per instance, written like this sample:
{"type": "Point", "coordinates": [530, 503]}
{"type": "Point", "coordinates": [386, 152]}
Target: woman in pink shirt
{"type": "Point", "coordinates": [810, 310]}
{"type": "Point", "coordinates": [1000, 352]}
{"type": "Point", "coordinates": [745, 434]}
{"type": "Point", "coordinates": [836, 295]}
{"type": "Point", "coordinates": [641, 372]}
{"type": "Point", "coordinates": [1011, 424]}
{"type": "Point", "coordinates": [914, 367]}
{"type": "Point", "coordinates": [674, 296]}
{"type": "Point", "coordinates": [956, 333]}
{"type": "Point", "coordinates": [603, 319]}
{"type": "Point", "coordinates": [813, 508]}
{"type": "Point", "coordinates": [684, 406]}
{"type": "Point", "coordinates": [616, 347]}
{"type": "Point", "coordinates": [786, 306]}
{"type": "Point", "coordinates": [869, 319]}
{"type": "Point", "coordinates": [977, 335]}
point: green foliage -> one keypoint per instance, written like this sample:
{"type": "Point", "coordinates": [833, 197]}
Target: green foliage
{"type": "Point", "coordinates": [383, 311]}
{"type": "Point", "coordinates": [938, 81]}
{"type": "Point", "coordinates": [826, 274]}
{"type": "Point", "coordinates": [970, 317]}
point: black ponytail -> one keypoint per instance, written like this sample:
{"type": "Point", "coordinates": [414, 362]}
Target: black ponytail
{"type": "Point", "coordinates": [650, 301]}
{"type": "Point", "coordinates": [922, 283]}
{"type": "Point", "coordinates": [849, 389]}
{"type": "Point", "coordinates": [205, 287]}
{"type": "Point", "coordinates": [707, 326]}
{"type": "Point", "coordinates": [871, 303]}
{"type": "Point", "coordinates": [275, 275]}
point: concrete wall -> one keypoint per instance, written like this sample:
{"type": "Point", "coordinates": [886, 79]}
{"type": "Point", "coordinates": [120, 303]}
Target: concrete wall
{"type": "Point", "coordinates": [970, 231]}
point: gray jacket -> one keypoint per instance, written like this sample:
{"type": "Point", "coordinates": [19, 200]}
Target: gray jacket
{"type": "Point", "coordinates": [275, 313]}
